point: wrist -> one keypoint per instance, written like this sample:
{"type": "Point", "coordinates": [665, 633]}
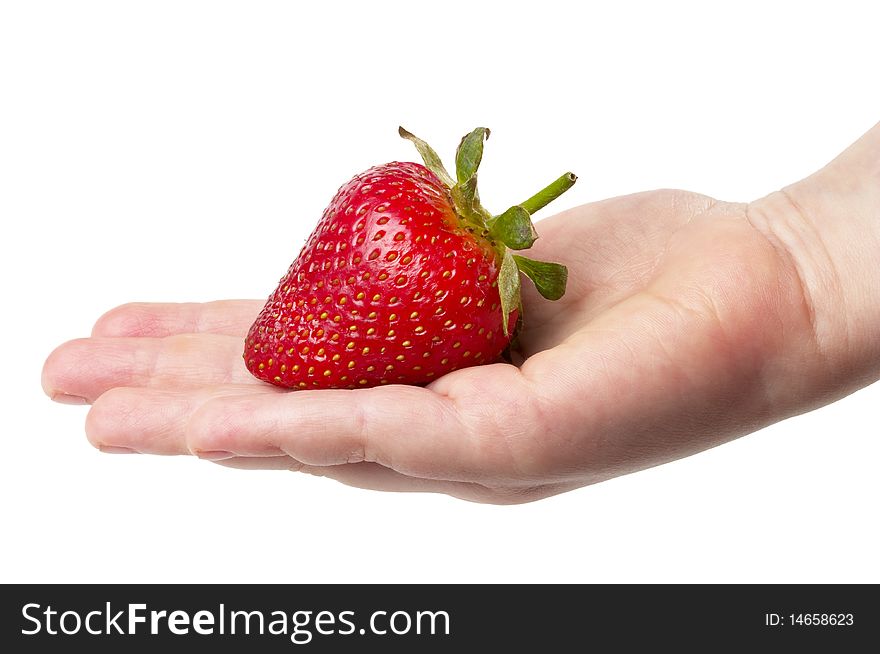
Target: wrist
{"type": "Point", "coordinates": [828, 225]}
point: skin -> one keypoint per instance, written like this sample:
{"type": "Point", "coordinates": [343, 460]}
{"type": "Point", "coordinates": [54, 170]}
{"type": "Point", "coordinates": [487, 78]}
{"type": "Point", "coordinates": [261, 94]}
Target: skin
{"type": "Point", "coordinates": [687, 322]}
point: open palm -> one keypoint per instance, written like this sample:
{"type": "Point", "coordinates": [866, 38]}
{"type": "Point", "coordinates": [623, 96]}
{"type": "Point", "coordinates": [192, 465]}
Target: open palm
{"type": "Point", "coordinates": [679, 317]}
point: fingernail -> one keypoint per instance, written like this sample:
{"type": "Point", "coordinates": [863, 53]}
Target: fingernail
{"type": "Point", "coordinates": [213, 455]}
{"type": "Point", "coordinates": [113, 449]}
{"type": "Point", "coordinates": [64, 398]}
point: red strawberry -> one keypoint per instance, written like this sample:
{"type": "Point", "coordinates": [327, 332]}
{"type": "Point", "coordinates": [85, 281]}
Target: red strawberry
{"type": "Point", "coordinates": [405, 278]}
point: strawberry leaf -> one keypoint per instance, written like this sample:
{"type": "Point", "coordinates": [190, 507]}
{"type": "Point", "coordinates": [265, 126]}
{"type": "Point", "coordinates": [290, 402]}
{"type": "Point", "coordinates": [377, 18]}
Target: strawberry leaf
{"type": "Point", "coordinates": [467, 161]}
{"type": "Point", "coordinates": [514, 228]}
{"type": "Point", "coordinates": [464, 195]}
{"type": "Point", "coordinates": [508, 287]}
{"type": "Point", "coordinates": [549, 278]}
{"type": "Point", "coordinates": [469, 154]}
{"type": "Point", "coordinates": [429, 156]}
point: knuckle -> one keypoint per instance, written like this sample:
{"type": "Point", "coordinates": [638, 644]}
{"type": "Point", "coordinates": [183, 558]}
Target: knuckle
{"type": "Point", "coordinates": [504, 427]}
{"type": "Point", "coordinates": [217, 425]}
{"type": "Point", "coordinates": [207, 426]}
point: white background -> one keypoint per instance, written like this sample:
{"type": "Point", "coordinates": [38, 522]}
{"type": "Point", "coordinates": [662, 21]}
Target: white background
{"type": "Point", "coordinates": [181, 151]}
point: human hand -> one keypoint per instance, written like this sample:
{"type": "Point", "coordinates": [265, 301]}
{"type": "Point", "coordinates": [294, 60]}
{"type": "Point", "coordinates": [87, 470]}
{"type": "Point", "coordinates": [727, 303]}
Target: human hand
{"type": "Point", "coordinates": [687, 322]}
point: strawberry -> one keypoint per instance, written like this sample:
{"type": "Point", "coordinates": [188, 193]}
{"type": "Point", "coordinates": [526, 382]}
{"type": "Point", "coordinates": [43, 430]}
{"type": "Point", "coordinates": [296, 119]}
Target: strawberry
{"type": "Point", "coordinates": [406, 277]}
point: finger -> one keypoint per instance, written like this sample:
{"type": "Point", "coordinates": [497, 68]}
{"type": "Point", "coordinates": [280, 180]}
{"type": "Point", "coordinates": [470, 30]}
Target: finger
{"type": "Point", "coordinates": [90, 366]}
{"type": "Point", "coordinates": [230, 317]}
{"type": "Point", "coordinates": [152, 421]}
{"type": "Point", "coordinates": [414, 431]}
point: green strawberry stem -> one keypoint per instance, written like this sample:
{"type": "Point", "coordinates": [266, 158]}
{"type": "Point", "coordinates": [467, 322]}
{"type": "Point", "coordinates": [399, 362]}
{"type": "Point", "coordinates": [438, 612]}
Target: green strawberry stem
{"type": "Point", "coordinates": [549, 193]}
